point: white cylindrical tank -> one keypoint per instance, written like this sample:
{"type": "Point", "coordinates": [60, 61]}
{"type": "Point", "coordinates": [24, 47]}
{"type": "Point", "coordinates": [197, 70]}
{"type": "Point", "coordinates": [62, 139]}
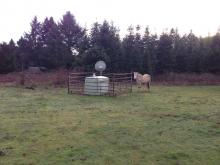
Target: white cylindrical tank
{"type": "Point", "coordinates": [96, 85]}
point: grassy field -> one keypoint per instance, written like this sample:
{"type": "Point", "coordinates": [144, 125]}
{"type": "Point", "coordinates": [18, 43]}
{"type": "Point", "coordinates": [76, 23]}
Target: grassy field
{"type": "Point", "coordinates": [169, 125]}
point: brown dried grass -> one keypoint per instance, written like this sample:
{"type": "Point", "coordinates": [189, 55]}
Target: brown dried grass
{"type": "Point", "coordinates": [187, 79]}
{"type": "Point", "coordinates": [54, 78]}
{"type": "Point", "coordinates": [58, 78]}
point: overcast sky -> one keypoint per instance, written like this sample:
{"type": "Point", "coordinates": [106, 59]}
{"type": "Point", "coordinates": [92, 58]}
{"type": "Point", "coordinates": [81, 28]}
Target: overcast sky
{"type": "Point", "coordinates": [202, 16]}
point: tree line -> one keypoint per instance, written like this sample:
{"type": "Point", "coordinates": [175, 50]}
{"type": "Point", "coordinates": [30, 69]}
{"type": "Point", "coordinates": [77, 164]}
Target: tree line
{"type": "Point", "coordinates": [65, 44]}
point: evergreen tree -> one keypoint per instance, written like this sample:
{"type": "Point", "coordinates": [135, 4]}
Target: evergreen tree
{"type": "Point", "coordinates": [150, 48]}
{"type": "Point", "coordinates": [214, 58]}
{"type": "Point", "coordinates": [23, 54]}
{"type": "Point", "coordinates": [139, 51]}
{"type": "Point", "coordinates": [205, 53]}
{"type": "Point", "coordinates": [7, 57]}
{"type": "Point", "coordinates": [128, 44]}
{"type": "Point", "coordinates": [96, 51]}
{"type": "Point", "coordinates": [71, 32]}
{"type": "Point", "coordinates": [68, 45]}
{"type": "Point", "coordinates": [181, 55]}
{"type": "Point", "coordinates": [53, 53]}
{"type": "Point", "coordinates": [164, 54]}
{"type": "Point", "coordinates": [33, 44]}
{"type": "Point", "coordinates": [104, 45]}
{"type": "Point", "coordinates": [193, 63]}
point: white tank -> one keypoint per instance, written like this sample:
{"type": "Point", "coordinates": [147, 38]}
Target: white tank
{"type": "Point", "coordinates": [96, 85]}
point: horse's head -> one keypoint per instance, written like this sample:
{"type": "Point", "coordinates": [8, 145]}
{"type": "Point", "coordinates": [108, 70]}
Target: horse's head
{"type": "Point", "coordinates": [135, 75]}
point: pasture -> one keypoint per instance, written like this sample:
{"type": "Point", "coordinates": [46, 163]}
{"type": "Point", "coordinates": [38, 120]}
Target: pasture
{"type": "Point", "coordinates": [169, 126]}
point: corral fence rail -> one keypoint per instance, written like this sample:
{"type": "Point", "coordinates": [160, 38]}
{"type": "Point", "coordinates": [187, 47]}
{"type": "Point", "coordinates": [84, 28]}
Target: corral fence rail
{"type": "Point", "coordinates": [119, 83]}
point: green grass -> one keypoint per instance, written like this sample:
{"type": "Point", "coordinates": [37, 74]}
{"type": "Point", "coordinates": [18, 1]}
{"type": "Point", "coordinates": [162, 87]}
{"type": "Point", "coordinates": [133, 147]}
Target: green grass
{"type": "Point", "coordinates": [169, 125]}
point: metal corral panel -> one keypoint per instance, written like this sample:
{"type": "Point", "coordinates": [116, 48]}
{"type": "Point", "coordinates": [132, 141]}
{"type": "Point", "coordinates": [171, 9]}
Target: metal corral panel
{"type": "Point", "coordinates": [96, 85]}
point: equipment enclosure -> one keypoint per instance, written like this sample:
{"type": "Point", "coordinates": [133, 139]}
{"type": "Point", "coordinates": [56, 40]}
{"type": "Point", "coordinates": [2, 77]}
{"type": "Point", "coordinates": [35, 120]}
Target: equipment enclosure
{"type": "Point", "coordinates": [119, 83]}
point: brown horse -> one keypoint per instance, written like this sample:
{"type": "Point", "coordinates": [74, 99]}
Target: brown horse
{"type": "Point", "coordinates": [142, 79]}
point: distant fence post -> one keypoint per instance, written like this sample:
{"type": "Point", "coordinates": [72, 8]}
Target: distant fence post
{"type": "Point", "coordinates": [113, 85]}
{"type": "Point", "coordinates": [131, 82]}
{"type": "Point", "coordinates": [22, 78]}
{"type": "Point", "coordinates": [68, 83]}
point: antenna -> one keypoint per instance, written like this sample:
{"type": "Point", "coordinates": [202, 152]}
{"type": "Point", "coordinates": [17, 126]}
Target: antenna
{"type": "Point", "coordinates": [100, 66]}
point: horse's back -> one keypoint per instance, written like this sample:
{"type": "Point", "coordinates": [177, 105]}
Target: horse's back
{"type": "Point", "coordinates": [146, 77]}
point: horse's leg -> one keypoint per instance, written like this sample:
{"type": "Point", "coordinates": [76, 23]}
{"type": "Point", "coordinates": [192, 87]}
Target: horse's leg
{"type": "Point", "coordinates": [139, 85]}
{"type": "Point", "coordinates": [148, 85]}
